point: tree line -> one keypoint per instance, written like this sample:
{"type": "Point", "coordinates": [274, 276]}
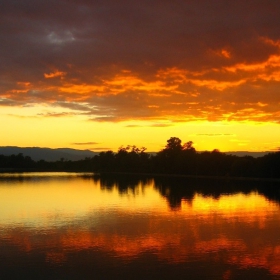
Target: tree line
{"type": "Point", "coordinates": [175, 158]}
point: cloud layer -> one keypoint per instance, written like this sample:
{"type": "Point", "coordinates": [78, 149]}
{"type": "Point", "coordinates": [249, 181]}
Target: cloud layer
{"type": "Point", "coordinates": [149, 60]}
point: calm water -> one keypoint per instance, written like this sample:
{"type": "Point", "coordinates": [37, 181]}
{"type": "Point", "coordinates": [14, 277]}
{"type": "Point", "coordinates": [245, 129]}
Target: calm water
{"type": "Point", "coordinates": [76, 226]}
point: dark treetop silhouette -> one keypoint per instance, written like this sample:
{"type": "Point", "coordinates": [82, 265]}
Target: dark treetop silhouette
{"type": "Point", "coordinates": [175, 158]}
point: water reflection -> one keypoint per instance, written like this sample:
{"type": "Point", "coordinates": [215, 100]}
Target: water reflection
{"type": "Point", "coordinates": [81, 227]}
{"type": "Point", "coordinates": [178, 189]}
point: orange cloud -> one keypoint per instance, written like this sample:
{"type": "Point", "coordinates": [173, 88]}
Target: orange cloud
{"type": "Point", "coordinates": [267, 70]}
{"type": "Point", "coordinates": [116, 68]}
{"type": "Point", "coordinates": [55, 74]}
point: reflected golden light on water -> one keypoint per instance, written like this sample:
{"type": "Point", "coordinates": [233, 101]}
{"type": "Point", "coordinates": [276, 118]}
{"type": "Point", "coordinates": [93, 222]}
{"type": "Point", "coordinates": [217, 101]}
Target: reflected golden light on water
{"type": "Point", "coordinates": [241, 205]}
{"type": "Point", "coordinates": [39, 203]}
{"type": "Point", "coordinates": [65, 215]}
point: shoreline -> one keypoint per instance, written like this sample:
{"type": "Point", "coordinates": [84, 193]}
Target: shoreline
{"type": "Point", "coordinates": [229, 178]}
{"type": "Point", "coordinates": [194, 176]}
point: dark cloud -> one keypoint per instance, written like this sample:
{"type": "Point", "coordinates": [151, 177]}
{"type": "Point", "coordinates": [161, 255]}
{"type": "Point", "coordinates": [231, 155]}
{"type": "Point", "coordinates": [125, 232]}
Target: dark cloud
{"type": "Point", "coordinates": [151, 125]}
{"type": "Point", "coordinates": [154, 60]}
{"type": "Point", "coordinates": [161, 125]}
{"type": "Point", "coordinates": [102, 149]}
{"type": "Point", "coordinates": [6, 102]}
{"type": "Point", "coordinates": [133, 125]}
{"type": "Point", "coordinates": [86, 143]}
{"type": "Point", "coordinates": [55, 114]}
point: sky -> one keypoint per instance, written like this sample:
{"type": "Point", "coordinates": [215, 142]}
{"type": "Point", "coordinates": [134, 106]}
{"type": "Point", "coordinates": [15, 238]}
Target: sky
{"type": "Point", "coordinates": [97, 75]}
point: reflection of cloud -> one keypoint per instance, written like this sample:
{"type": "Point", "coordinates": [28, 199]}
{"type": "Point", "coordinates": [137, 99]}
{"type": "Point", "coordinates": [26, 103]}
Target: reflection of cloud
{"type": "Point", "coordinates": [56, 258]}
{"type": "Point", "coordinates": [220, 244]}
{"type": "Point", "coordinates": [170, 246]}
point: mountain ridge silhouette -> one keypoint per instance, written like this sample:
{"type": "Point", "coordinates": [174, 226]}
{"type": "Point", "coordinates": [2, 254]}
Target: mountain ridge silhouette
{"type": "Point", "coordinates": [47, 154]}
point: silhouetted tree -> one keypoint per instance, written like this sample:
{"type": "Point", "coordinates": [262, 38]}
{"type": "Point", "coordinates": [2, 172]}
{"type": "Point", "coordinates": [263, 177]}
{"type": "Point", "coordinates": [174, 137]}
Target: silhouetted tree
{"type": "Point", "coordinates": [176, 158]}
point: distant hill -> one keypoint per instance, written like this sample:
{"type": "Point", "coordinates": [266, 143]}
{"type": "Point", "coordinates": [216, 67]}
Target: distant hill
{"type": "Point", "coordinates": [47, 154]}
{"type": "Point", "coordinates": [244, 153]}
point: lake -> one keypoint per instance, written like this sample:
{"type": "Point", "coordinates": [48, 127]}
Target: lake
{"type": "Point", "coordinates": [80, 226]}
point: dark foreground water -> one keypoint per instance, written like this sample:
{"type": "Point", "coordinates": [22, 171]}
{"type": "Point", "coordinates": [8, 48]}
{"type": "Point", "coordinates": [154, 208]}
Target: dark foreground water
{"type": "Point", "coordinates": [76, 226]}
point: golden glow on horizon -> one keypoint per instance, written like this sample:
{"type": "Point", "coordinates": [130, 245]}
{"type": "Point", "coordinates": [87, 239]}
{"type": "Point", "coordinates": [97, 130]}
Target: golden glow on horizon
{"type": "Point", "coordinates": [44, 128]}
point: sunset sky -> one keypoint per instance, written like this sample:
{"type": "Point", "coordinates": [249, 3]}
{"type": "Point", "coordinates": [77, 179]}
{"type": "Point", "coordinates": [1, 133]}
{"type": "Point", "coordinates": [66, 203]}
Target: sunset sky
{"type": "Point", "coordinates": [98, 74]}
